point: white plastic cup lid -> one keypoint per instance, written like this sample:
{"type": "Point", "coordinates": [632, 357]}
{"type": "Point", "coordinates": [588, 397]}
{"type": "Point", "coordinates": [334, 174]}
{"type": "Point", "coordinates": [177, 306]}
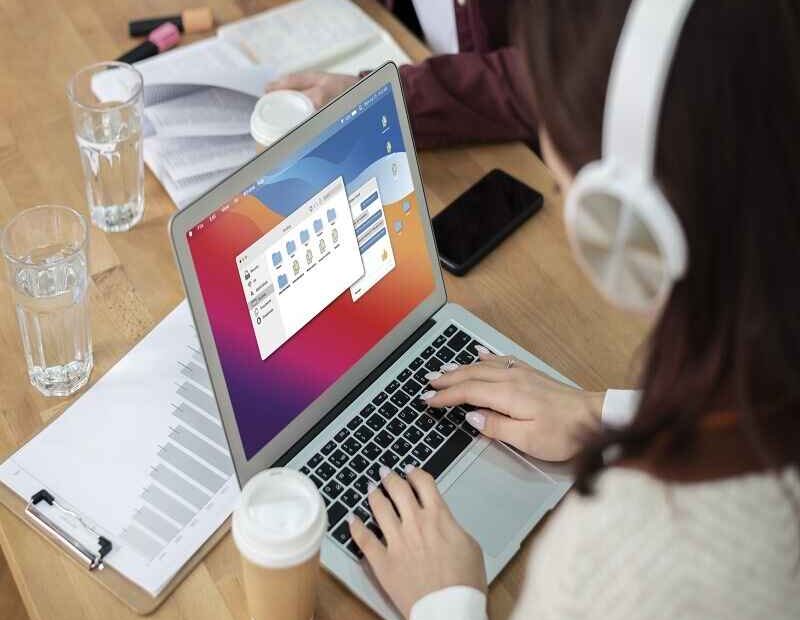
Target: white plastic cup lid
{"type": "Point", "coordinates": [280, 520]}
{"type": "Point", "coordinates": [277, 113]}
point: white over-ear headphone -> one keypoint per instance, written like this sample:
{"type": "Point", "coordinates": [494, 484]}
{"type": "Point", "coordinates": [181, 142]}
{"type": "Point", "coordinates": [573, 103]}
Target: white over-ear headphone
{"type": "Point", "coordinates": [622, 229]}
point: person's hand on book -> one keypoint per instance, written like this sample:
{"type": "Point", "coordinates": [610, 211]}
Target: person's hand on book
{"type": "Point", "coordinates": [318, 86]}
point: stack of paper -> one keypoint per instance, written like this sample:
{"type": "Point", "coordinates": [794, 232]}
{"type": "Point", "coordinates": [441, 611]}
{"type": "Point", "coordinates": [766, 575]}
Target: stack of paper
{"type": "Point", "coordinates": [198, 102]}
{"type": "Point", "coordinates": [199, 98]}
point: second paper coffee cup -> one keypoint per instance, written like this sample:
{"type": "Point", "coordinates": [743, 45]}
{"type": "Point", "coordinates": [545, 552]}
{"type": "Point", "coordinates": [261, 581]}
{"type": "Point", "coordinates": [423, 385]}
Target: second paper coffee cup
{"type": "Point", "coordinates": [278, 528]}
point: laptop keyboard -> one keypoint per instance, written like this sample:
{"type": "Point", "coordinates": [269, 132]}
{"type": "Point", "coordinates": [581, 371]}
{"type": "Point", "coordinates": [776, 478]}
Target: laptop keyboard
{"type": "Point", "coordinates": [395, 429]}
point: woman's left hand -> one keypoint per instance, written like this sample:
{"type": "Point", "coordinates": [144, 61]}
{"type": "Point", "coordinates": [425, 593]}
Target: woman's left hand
{"type": "Point", "coordinates": [318, 86]}
{"type": "Point", "coordinates": [425, 550]}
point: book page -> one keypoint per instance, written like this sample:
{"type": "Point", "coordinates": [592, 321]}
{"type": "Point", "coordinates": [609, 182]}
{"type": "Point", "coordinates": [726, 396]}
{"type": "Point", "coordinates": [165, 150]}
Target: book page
{"type": "Point", "coordinates": [211, 54]}
{"type": "Point", "coordinates": [211, 62]}
{"type": "Point", "coordinates": [186, 191]}
{"type": "Point", "coordinates": [185, 70]}
{"type": "Point", "coordinates": [184, 158]}
{"type": "Point", "coordinates": [181, 192]}
{"type": "Point", "coordinates": [303, 35]}
{"type": "Point", "coordinates": [206, 112]}
{"type": "Point", "coordinates": [379, 52]}
{"type": "Point", "coordinates": [251, 81]}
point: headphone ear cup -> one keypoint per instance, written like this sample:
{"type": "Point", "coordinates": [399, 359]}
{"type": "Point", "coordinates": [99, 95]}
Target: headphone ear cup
{"type": "Point", "coordinates": [623, 235]}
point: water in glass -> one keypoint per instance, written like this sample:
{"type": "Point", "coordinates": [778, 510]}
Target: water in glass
{"type": "Point", "coordinates": [49, 284]}
{"type": "Point", "coordinates": [107, 114]}
{"type": "Point", "coordinates": [112, 166]}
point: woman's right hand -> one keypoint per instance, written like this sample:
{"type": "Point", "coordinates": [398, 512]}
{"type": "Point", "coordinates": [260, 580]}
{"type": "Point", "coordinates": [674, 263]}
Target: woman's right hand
{"type": "Point", "coordinates": [519, 405]}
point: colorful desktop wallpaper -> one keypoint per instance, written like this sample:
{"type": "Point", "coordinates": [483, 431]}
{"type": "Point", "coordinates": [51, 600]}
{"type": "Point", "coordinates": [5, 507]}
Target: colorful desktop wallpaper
{"type": "Point", "coordinates": [266, 395]}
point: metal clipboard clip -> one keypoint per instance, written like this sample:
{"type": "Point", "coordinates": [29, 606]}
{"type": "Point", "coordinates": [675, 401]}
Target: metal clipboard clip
{"type": "Point", "coordinates": [92, 560]}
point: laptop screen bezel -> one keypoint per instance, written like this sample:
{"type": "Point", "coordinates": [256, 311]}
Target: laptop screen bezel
{"type": "Point", "coordinates": [255, 169]}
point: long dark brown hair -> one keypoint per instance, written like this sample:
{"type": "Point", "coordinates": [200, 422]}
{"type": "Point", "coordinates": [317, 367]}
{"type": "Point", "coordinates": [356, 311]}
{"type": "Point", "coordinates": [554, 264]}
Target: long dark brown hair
{"type": "Point", "coordinates": [728, 160]}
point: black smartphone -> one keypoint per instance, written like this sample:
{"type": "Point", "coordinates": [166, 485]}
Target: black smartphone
{"type": "Point", "coordinates": [480, 218]}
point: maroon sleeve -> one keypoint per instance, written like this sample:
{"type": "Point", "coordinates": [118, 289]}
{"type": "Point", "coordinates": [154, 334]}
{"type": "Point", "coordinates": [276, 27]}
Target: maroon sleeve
{"type": "Point", "coordinates": [469, 97]}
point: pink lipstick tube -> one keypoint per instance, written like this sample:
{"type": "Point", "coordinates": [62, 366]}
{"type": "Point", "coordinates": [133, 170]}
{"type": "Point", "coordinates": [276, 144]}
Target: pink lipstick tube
{"type": "Point", "coordinates": [159, 40]}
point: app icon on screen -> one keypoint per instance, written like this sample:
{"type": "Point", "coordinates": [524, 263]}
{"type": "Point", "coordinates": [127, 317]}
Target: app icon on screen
{"type": "Point", "coordinates": [276, 259]}
{"type": "Point", "coordinates": [317, 226]}
{"type": "Point", "coordinates": [331, 215]}
{"type": "Point", "coordinates": [304, 236]}
{"type": "Point", "coordinates": [282, 281]}
{"type": "Point", "coordinates": [291, 246]}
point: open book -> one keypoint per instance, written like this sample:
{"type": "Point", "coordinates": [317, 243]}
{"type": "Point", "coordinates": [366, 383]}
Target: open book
{"type": "Point", "coordinates": [198, 98]}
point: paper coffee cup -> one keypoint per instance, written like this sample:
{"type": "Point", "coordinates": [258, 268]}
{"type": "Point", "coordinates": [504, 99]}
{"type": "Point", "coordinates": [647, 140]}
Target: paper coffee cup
{"type": "Point", "coordinates": [277, 113]}
{"type": "Point", "coordinates": [278, 528]}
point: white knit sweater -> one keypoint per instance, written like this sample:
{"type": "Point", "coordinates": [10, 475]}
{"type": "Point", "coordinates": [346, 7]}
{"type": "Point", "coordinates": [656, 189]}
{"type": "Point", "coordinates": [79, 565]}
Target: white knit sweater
{"type": "Point", "coordinates": [642, 548]}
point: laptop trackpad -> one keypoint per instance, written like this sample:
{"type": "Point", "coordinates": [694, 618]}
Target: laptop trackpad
{"type": "Point", "coordinates": [497, 496]}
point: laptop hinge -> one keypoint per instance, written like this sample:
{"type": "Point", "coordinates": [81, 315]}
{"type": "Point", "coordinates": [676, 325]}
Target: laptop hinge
{"type": "Point", "coordinates": [354, 393]}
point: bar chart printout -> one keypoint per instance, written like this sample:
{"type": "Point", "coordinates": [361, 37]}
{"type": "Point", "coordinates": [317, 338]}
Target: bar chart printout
{"type": "Point", "coordinates": [163, 464]}
{"type": "Point", "coordinates": [193, 463]}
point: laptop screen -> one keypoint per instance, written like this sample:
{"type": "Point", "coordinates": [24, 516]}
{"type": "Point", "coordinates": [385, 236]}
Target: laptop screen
{"type": "Point", "coordinates": [311, 266]}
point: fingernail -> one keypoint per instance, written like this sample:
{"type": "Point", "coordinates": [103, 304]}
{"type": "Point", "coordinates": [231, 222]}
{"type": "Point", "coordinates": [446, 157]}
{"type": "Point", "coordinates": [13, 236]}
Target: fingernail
{"type": "Point", "coordinates": [449, 367]}
{"type": "Point", "coordinates": [409, 468]}
{"type": "Point", "coordinates": [371, 486]}
{"type": "Point", "coordinates": [432, 376]}
{"type": "Point", "coordinates": [428, 395]}
{"type": "Point", "coordinates": [384, 471]}
{"type": "Point", "coordinates": [481, 349]}
{"type": "Point", "coordinates": [350, 518]}
{"type": "Point", "coordinates": [478, 420]}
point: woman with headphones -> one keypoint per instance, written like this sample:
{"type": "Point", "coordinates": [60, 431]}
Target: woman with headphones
{"type": "Point", "coordinates": [674, 128]}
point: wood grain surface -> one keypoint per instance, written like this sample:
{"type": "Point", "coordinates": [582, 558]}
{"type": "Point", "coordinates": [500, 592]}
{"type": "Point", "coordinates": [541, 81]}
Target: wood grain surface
{"type": "Point", "coordinates": [529, 288]}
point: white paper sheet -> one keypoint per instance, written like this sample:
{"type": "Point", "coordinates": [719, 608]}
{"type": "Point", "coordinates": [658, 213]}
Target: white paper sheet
{"type": "Point", "coordinates": [141, 457]}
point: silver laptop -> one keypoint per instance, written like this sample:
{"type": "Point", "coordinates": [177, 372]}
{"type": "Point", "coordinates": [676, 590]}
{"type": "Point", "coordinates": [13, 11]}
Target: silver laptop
{"type": "Point", "coordinates": [314, 283]}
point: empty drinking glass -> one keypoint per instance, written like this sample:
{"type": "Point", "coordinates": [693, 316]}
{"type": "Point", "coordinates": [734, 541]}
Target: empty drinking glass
{"type": "Point", "coordinates": [45, 253]}
{"type": "Point", "coordinates": [106, 100]}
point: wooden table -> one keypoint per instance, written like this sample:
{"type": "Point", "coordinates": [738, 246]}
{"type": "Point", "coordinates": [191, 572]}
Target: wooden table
{"type": "Point", "coordinates": [529, 288]}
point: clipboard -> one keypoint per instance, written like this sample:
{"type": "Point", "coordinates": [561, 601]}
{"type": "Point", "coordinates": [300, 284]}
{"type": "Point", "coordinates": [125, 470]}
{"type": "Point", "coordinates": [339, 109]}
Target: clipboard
{"type": "Point", "coordinates": [130, 594]}
{"type": "Point", "coordinates": [167, 357]}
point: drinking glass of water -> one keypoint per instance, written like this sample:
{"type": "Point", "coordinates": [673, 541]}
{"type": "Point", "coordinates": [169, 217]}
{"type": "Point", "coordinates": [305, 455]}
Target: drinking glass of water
{"type": "Point", "coordinates": [45, 253]}
{"type": "Point", "coordinates": [106, 100]}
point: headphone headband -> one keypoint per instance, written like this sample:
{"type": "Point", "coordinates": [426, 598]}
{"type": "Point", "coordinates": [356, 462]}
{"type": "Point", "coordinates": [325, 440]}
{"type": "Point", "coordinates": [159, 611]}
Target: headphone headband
{"type": "Point", "coordinates": [637, 81]}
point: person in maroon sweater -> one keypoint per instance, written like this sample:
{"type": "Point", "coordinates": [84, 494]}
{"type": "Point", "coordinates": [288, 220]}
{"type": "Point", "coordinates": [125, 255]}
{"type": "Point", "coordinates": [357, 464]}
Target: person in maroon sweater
{"type": "Point", "coordinates": [477, 94]}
